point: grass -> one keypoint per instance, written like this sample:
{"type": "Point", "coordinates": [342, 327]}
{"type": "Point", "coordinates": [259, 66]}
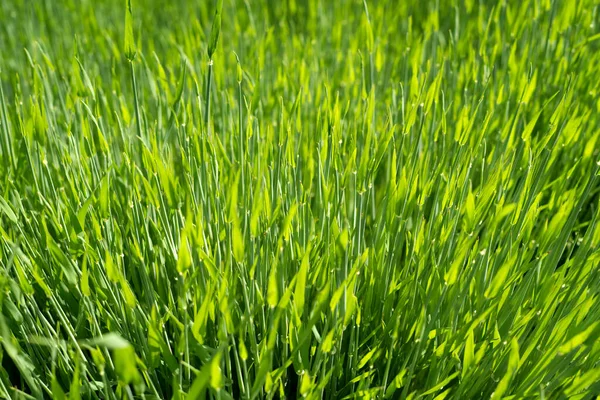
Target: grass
{"type": "Point", "coordinates": [299, 198]}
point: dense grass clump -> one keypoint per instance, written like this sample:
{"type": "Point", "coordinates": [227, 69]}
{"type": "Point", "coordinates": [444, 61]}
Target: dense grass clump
{"type": "Point", "coordinates": [300, 198]}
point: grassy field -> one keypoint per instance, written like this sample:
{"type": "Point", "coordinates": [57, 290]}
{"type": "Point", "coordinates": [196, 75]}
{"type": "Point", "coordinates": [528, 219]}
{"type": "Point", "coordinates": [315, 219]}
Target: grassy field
{"type": "Point", "coordinates": [250, 199]}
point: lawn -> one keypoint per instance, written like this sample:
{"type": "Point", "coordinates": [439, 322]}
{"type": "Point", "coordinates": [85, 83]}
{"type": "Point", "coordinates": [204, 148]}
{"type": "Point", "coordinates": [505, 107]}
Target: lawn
{"type": "Point", "coordinates": [261, 199]}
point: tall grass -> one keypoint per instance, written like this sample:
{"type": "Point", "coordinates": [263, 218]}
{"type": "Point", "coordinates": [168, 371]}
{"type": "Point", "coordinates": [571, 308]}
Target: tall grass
{"type": "Point", "coordinates": [352, 199]}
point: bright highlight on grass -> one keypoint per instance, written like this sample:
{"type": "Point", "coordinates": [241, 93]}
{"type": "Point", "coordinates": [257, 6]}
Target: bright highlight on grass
{"type": "Point", "coordinates": [299, 199]}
